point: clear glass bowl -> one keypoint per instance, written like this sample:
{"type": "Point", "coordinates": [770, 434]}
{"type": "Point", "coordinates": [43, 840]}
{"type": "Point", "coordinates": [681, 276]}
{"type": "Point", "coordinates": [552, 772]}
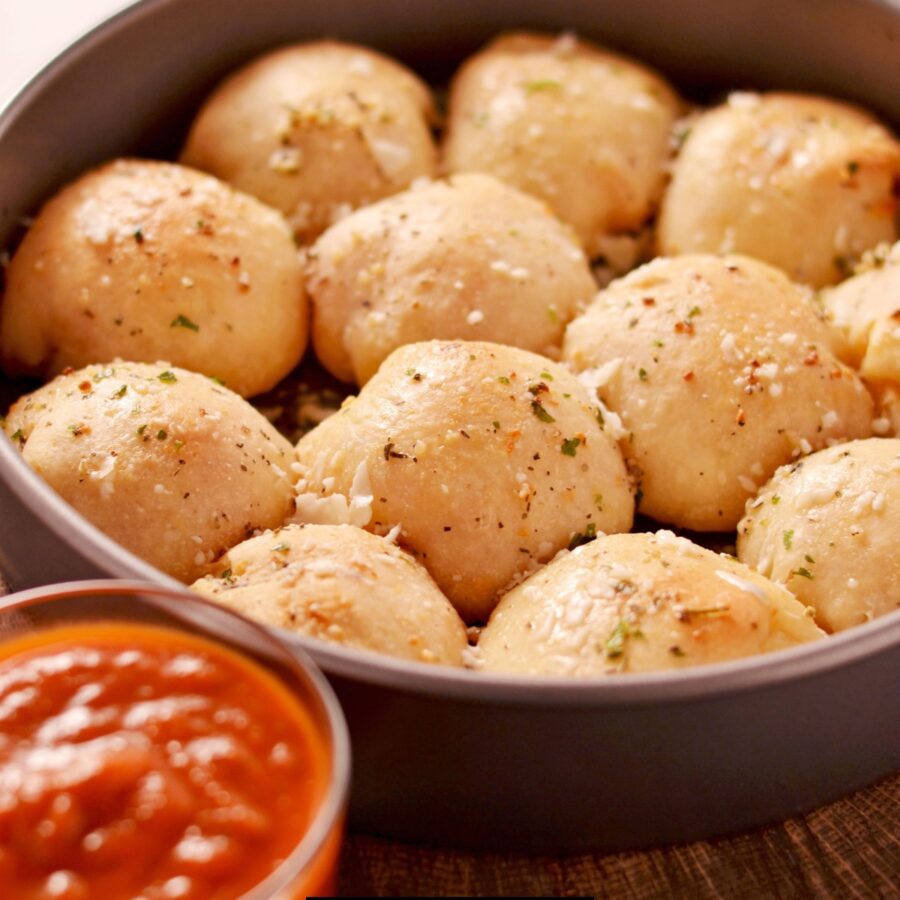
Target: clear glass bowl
{"type": "Point", "coordinates": [311, 869]}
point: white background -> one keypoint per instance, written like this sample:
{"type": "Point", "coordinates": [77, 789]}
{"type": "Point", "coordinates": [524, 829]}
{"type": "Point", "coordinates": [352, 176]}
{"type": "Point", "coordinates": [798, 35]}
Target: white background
{"type": "Point", "coordinates": [32, 32]}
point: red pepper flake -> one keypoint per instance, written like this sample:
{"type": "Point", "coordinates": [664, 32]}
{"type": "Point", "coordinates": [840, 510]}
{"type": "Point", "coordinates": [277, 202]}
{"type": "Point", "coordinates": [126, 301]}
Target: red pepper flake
{"type": "Point", "coordinates": [812, 359]}
{"type": "Point", "coordinates": [649, 301]}
{"type": "Point", "coordinates": [85, 387]}
{"type": "Point", "coordinates": [741, 418]}
{"type": "Point", "coordinates": [682, 327]}
{"type": "Point", "coordinates": [688, 376]}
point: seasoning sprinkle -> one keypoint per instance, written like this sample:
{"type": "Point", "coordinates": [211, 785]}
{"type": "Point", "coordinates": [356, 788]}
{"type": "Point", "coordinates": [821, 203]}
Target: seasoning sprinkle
{"type": "Point", "coordinates": [181, 321]}
{"type": "Point", "coordinates": [542, 84]}
{"type": "Point", "coordinates": [541, 413]}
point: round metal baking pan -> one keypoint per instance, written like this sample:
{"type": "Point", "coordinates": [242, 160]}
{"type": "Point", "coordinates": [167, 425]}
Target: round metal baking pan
{"type": "Point", "coordinates": [459, 758]}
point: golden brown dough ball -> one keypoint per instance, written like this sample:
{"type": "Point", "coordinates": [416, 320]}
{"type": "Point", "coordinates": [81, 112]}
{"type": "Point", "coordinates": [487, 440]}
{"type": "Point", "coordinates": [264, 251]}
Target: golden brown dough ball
{"type": "Point", "coordinates": [640, 603]}
{"type": "Point", "coordinates": [804, 183]}
{"type": "Point", "coordinates": [172, 466]}
{"type": "Point", "coordinates": [316, 130]}
{"type": "Point", "coordinates": [828, 528]}
{"type": "Point", "coordinates": [343, 585]}
{"type": "Point", "coordinates": [585, 130]}
{"type": "Point", "coordinates": [145, 260]}
{"type": "Point", "coordinates": [486, 460]}
{"type": "Point", "coordinates": [721, 371]}
{"type": "Point", "coordinates": [467, 258]}
{"type": "Point", "coordinates": [866, 311]}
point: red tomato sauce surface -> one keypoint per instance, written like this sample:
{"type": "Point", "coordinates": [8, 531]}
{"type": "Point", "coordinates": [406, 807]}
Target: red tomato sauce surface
{"type": "Point", "coordinates": [138, 761]}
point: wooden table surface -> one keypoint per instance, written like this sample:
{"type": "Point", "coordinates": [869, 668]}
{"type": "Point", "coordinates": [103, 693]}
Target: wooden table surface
{"type": "Point", "coordinates": [848, 849]}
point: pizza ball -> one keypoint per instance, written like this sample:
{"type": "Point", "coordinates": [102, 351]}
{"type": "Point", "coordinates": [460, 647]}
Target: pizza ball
{"type": "Point", "coordinates": [174, 467]}
{"type": "Point", "coordinates": [828, 528]}
{"type": "Point", "coordinates": [866, 311]}
{"type": "Point", "coordinates": [640, 603]}
{"type": "Point", "coordinates": [584, 129]}
{"type": "Point", "coordinates": [316, 130]}
{"type": "Point", "coordinates": [147, 260]}
{"type": "Point", "coordinates": [343, 585]}
{"type": "Point", "coordinates": [721, 371]}
{"type": "Point", "coordinates": [484, 461]}
{"type": "Point", "coordinates": [801, 182]}
{"type": "Point", "coordinates": [465, 258]}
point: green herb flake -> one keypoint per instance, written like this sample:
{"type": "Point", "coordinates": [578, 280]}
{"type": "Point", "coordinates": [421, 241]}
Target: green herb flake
{"type": "Point", "coordinates": [552, 314]}
{"type": "Point", "coordinates": [141, 430]}
{"type": "Point", "coordinates": [547, 376]}
{"type": "Point", "coordinates": [615, 643]}
{"type": "Point", "coordinates": [675, 650]}
{"type": "Point", "coordinates": [496, 425]}
{"type": "Point", "coordinates": [121, 392]}
{"type": "Point", "coordinates": [541, 413]}
{"type": "Point", "coordinates": [599, 416]}
{"type": "Point", "coordinates": [181, 321]}
{"type": "Point", "coordinates": [503, 379]}
{"type": "Point", "coordinates": [803, 572]}
{"type": "Point", "coordinates": [853, 167]}
{"type": "Point", "coordinates": [18, 435]}
{"type": "Point", "coordinates": [642, 374]}
{"type": "Point", "coordinates": [77, 428]}
{"type": "Point", "coordinates": [809, 559]}
{"type": "Point", "coordinates": [638, 497]}
{"type": "Point", "coordinates": [570, 446]}
{"type": "Point", "coordinates": [658, 343]}
{"type": "Point", "coordinates": [281, 548]}
{"type": "Point", "coordinates": [138, 236]}
{"type": "Point", "coordinates": [167, 377]}
{"type": "Point", "coordinates": [695, 311]}
{"type": "Point", "coordinates": [598, 502]}
{"type": "Point", "coordinates": [217, 381]}
{"type": "Point", "coordinates": [226, 575]}
{"type": "Point", "coordinates": [787, 539]}
{"type": "Point", "coordinates": [542, 84]}
{"type": "Point", "coordinates": [584, 537]}
{"type": "Point", "coordinates": [162, 434]}
{"type": "Point", "coordinates": [775, 500]}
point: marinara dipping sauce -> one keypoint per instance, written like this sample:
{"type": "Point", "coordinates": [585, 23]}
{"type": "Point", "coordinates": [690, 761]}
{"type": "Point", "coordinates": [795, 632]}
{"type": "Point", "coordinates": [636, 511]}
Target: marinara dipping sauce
{"type": "Point", "coordinates": [146, 761]}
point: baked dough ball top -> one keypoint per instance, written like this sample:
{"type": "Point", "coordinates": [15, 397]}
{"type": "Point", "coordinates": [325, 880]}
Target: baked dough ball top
{"type": "Point", "coordinates": [486, 459]}
{"type": "Point", "coordinates": [465, 258]}
{"type": "Point", "coordinates": [148, 260]}
{"type": "Point", "coordinates": [583, 129]}
{"type": "Point", "coordinates": [640, 603]}
{"type": "Point", "coordinates": [866, 311]}
{"type": "Point", "coordinates": [174, 467]}
{"type": "Point", "coordinates": [721, 371]}
{"type": "Point", "coordinates": [828, 527]}
{"type": "Point", "coordinates": [804, 183]}
{"type": "Point", "coordinates": [343, 585]}
{"type": "Point", "coordinates": [316, 130]}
